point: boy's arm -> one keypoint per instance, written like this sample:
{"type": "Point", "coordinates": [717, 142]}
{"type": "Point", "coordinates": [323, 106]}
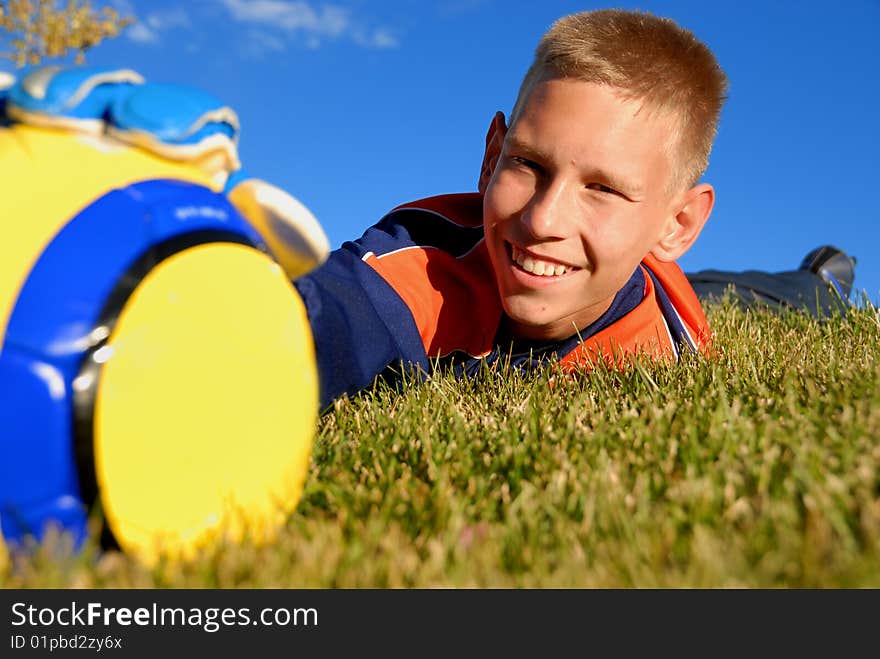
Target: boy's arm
{"type": "Point", "coordinates": [362, 329]}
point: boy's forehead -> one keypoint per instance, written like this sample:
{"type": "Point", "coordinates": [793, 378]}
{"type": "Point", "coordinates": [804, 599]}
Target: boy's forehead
{"type": "Point", "coordinates": [604, 125]}
{"type": "Point", "coordinates": [639, 104]}
{"type": "Point", "coordinates": [597, 107]}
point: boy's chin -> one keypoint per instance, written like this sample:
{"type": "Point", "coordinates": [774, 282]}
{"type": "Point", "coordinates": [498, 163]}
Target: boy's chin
{"type": "Point", "coordinates": [535, 324]}
{"type": "Point", "coordinates": [537, 320]}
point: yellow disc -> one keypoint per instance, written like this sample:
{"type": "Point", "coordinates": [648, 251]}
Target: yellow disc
{"type": "Point", "coordinates": [206, 404]}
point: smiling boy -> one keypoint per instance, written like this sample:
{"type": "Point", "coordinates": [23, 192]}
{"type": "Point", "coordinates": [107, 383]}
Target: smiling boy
{"type": "Point", "coordinates": [585, 201]}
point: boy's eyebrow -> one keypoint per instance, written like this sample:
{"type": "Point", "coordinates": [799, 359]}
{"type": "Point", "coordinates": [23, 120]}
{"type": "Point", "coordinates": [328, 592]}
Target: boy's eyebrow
{"type": "Point", "coordinates": [527, 149]}
{"type": "Point", "coordinates": [631, 190]}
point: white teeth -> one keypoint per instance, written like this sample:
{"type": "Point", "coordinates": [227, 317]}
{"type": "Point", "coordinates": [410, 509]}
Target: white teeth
{"type": "Point", "coordinates": [536, 266]}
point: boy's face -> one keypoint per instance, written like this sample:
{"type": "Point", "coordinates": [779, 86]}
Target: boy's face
{"type": "Point", "coordinates": [578, 197]}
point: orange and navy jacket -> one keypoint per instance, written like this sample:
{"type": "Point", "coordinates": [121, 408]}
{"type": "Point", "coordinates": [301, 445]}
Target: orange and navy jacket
{"type": "Point", "coordinates": [419, 286]}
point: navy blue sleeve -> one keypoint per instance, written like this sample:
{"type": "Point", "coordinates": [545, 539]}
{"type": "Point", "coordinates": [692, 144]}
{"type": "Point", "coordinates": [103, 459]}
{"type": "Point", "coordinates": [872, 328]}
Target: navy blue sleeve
{"type": "Point", "coordinates": [361, 327]}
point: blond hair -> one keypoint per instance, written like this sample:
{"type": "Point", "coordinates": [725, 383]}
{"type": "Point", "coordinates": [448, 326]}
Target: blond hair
{"type": "Point", "coordinates": [648, 58]}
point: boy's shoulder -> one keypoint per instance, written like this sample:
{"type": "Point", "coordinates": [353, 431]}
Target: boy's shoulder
{"type": "Point", "coordinates": [677, 289]}
{"type": "Point", "coordinates": [462, 209]}
{"type": "Point", "coordinates": [450, 223]}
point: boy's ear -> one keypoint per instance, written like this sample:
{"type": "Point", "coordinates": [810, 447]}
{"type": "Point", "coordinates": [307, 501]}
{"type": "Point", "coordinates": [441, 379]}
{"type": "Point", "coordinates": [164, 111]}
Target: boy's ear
{"type": "Point", "coordinates": [683, 227]}
{"type": "Point", "coordinates": [494, 143]}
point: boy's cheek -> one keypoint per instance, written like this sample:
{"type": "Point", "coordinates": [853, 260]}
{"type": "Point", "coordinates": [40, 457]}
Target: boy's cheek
{"type": "Point", "coordinates": [501, 201]}
{"type": "Point", "coordinates": [490, 212]}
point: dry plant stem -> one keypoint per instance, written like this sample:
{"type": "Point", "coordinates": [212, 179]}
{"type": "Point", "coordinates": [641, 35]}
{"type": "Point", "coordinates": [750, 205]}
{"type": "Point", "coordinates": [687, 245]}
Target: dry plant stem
{"type": "Point", "coordinates": [40, 29]}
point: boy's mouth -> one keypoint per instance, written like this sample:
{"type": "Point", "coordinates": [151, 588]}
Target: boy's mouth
{"type": "Point", "coordinates": [537, 266]}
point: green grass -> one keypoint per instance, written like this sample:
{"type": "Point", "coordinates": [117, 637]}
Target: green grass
{"type": "Point", "coordinates": [759, 467]}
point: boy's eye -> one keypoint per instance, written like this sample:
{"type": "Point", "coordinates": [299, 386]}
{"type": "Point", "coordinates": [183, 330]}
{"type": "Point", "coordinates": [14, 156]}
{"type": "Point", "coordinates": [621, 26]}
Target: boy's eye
{"type": "Point", "coordinates": [525, 162]}
{"type": "Point", "coordinates": [602, 188]}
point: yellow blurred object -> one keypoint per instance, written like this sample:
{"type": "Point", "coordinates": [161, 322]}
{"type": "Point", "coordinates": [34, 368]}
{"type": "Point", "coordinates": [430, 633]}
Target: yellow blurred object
{"type": "Point", "coordinates": [180, 391]}
{"type": "Point", "coordinates": [200, 429]}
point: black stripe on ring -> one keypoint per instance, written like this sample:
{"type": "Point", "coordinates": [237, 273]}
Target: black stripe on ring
{"type": "Point", "coordinates": [86, 393]}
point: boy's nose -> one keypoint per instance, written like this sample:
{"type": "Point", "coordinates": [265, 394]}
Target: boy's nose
{"type": "Point", "coordinates": [545, 216]}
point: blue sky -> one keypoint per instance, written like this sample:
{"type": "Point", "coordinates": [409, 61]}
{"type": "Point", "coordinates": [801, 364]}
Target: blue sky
{"type": "Point", "coordinates": [355, 106]}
